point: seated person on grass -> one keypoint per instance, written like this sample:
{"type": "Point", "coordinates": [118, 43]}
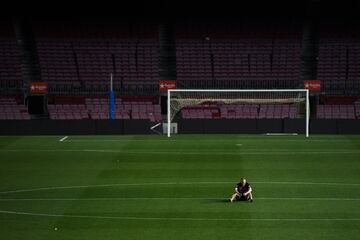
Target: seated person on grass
{"type": "Point", "coordinates": [242, 192]}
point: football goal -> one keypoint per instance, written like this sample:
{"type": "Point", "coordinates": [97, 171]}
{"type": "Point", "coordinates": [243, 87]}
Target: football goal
{"type": "Point", "coordinates": [238, 104]}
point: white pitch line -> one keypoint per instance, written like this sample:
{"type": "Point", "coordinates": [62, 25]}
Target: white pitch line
{"type": "Point", "coordinates": [63, 139]}
{"type": "Point", "coordinates": [171, 183]}
{"type": "Point", "coordinates": [175, 218]}
{"type": "Point", "coordinates": [87, 186]}
{"type": "Point", "coordinates": [206, 140]}
{"type": "Point", "coordinates": [310, 183]}
{"type": "Point", "coordinates": [281, 134]}
{"type": "Point", "coordinates": [307, 199]}
{"type": "Point", "coordinates": [106, 199]}
{"type": "Point", "coordinates": [322, 138]}
{"type": "Point", "coordinates": [176, 198]}
{"type": "Point", "coordinates": [244, 152]}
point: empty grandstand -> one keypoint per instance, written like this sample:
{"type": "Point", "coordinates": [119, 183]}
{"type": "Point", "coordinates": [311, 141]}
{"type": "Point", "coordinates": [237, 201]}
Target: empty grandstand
{"type": "Point", "coordinates": [137, 120]}
{"type": "Point", "coordinates": [76, 57]}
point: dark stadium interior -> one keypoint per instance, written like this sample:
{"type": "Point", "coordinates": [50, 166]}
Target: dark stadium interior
{"type": "Point", "coordinates": [200, 44]}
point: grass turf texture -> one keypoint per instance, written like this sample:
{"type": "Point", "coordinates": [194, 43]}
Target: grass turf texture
{"type": "Point", "coordinates": [151, 187]}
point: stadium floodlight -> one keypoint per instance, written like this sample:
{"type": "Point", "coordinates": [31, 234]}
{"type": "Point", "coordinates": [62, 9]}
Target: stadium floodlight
{"type": "Point", "coordinates": [296, 99]}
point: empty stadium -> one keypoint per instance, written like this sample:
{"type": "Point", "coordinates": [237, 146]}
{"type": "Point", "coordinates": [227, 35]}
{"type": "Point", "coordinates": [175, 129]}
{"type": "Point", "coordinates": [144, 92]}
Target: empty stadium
{"type": "Point", "coordinates": [137, 120]}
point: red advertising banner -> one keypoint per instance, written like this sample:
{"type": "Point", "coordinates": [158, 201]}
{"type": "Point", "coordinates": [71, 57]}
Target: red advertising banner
{"type": "Point", "coordinates": [165, 85]}
{"type": "Point", "coordinates": [38, 87]}
{"type": "Point", "coordinates": [313, 85]}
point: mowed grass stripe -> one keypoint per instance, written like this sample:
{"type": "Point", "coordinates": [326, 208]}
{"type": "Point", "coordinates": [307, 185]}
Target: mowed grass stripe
{"type": "Point", "coordinates": [176, 218]}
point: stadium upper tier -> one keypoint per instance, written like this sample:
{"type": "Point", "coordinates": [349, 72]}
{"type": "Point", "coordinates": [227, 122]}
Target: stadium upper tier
{"type": "Point", "coordinates": [84, 65]}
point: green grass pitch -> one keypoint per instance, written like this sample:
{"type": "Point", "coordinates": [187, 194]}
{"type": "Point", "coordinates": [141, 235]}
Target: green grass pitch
{"type": "Point", "coordinates": [152, 187]}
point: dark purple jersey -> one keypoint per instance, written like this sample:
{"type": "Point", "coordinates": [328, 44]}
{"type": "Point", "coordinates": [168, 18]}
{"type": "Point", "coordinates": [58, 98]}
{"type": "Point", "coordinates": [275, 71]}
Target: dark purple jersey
{"type": "Point", "coordinates": [243, 188]}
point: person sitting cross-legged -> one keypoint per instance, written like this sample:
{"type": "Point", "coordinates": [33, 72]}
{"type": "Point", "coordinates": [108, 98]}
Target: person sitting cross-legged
{"type": "Point", "coordinates": [243, 191]}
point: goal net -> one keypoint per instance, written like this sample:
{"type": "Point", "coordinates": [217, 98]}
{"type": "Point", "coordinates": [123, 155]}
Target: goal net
{"type": "Point", "coordinates": [238, 104]}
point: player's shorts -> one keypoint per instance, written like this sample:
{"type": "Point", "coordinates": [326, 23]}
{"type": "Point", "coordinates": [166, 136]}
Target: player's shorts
{"type": "Point", "coordinates": [243, 198]}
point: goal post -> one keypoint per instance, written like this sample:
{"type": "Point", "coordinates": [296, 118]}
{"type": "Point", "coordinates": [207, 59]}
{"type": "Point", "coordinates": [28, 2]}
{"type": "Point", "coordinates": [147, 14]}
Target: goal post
{"type": "Point", "coordinates": [258, 98]}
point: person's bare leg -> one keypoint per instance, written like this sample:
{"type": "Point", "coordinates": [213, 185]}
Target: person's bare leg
{"type": "Point", "coordinates": [250, 197]}
{"type": "Point", "coordinates": [233, 197]}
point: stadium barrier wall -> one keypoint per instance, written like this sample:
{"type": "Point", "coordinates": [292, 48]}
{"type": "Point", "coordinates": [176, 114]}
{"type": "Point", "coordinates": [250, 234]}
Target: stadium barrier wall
{"type": "Point", "coordinates": [260, 126]}
{"type": "Point", "coordinates": [230, 126]}
{"type": "Point", "coordinates": [324, 126]}
{"type": "Point", "coordinates": [193, 126]}
{"type": "Point", "coordinates": [346, 126]}
{"type": "Point", "coordinates": [295, 126]}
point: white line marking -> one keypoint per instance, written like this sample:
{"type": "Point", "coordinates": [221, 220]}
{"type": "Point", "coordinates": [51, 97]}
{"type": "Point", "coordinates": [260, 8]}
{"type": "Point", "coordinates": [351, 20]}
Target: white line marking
{"type": "Point", "coordinates": [176, 198]}
{"type": "Point", "coordinates": [260, 138]}
{"type": "Point", "coordinates": [89, 186]}
{"type": "Point", "coordinates": [171, 183]}
{"type": "Point", "coordinates": [243, 152]}
{"type": "Point", "coordinates": [63, 139]}
{"type": "Point", "coordinates": [239, 144]}
{"type": "Point", "coordinates": [94, 150]}
{"type": "Point", "coordinates": [310, 183]}
{"type": "Point", "coordinates": [307, 199]}
{"type": "Point", "coordinates": [176, 218]}
{"type": "Point", "coordinates": [281, 134]}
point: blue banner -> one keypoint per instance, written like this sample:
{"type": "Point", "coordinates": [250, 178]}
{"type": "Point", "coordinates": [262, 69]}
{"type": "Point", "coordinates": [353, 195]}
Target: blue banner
{"type": "Point", "coordinates": [111, 105]}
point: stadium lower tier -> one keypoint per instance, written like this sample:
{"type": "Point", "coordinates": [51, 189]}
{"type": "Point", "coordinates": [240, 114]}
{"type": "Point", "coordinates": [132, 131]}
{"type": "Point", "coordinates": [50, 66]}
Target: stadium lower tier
{"type": "Point", "coordinates": [10, 109]}
{"type": "Point", "coordinates": [98, 108]}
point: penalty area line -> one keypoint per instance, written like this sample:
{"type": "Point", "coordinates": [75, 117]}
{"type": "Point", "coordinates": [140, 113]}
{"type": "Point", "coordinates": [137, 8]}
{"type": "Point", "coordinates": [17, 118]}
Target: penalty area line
{"type": "Point", "coordinates": [174, 218]}
{"type": "Point", "coordinates": [63, 139]}
{"type": "Point", "coordinates": [170, 183]}
{"type": "Point", "coordinates": [178, 198]}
